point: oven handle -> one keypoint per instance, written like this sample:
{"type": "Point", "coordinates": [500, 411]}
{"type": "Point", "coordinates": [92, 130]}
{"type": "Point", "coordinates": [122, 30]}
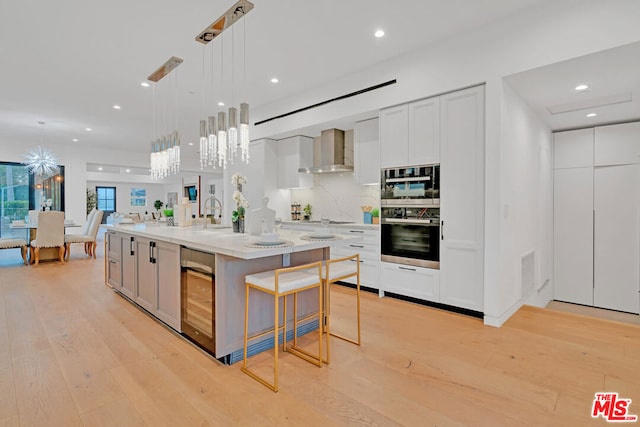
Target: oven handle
{"type": "Point", "coordinates": [425, 222]}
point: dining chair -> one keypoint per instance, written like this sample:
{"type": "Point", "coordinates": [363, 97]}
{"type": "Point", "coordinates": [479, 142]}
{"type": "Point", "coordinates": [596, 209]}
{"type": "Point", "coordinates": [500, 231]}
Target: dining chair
{"type": "Point", "coordinates": [9, 243]}
{"type": "Point", "coordinates": [50, 234]}
{"type": "Point", "coordinates": [87, 235]}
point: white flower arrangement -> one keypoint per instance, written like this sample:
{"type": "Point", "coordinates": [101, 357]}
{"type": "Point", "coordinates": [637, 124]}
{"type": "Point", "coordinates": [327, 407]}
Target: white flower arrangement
{"type": "Point", "coordinates": [240, 200]}
{"type": "Point", "coordinates": [238, 179]}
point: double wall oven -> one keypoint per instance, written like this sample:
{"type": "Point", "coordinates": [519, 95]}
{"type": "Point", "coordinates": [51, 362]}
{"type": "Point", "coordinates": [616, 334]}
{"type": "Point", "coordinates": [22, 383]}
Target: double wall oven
{"type": "Point", "coordinates": [410, 215]}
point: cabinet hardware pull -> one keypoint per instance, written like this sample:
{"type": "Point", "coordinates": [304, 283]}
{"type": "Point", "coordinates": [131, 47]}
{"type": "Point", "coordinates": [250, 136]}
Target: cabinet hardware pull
{"type": "Point", "coordinates": [151, 252]}
{"type": "Point", "coordinates": [410, 240]}
{"type": "Point", "coordinates": [357, 246]}
{"type": "Point", "coordinates": [131, 246]}
{"type": "Point", "coordinates": [442, 230]}
{"type": "Point", "coordinates": [353, 260]}
{"type": "Point", "coordinates": [407, 268]}
{"type": "Point", "coordinates": [356, 231]}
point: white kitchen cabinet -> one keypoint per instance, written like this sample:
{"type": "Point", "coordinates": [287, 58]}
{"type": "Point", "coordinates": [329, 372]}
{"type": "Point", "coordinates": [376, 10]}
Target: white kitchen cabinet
{"type": "Point", "coordinates": [114, 259]}
{"type": "Point", "coordinates": [158, 280]}
{"type": "Point", "coordinates": [366, 148]}
{"type": "Point", "coordinates": [573, 149]}
{"type": "Point", "coordinates": [617, 144]}
{"type": "Point", "coordinates": [293, 153]}
{"type": "Point", "coordinates": [394, 136]}
{"type": "Point", "coordinates": [369, 250]}
{"type": "Point", "coordinates": [424, 132]}
{"type": "Point", "coordinates": [616, 282]}
{"type": "Point", "coordinates": [573, 235]}
{"type": "Point", "coordinates": [462, 198]}
{"type": "Point", "coordinates": [416, 282]}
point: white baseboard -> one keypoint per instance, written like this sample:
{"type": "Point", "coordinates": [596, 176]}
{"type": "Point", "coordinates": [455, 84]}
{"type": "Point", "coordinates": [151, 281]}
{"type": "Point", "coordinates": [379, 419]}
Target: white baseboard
{"type": "Point", "coordinates": [497, 321]}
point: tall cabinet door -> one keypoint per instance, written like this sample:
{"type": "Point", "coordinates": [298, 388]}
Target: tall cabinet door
{"type": "Point", "coordinates": [617, 238]}
{"type": "Point", "coordinates": [394, 137]}
{"type": "Point", "coordinates": [145, 294]}
{"type": "Point", "coordinates": [462, 198]}
{"type": "Point", "coordinates": [167, 306]}
{"type": "Point", "coordinates": [424, 131]}
{"type": "Point", "coordinates": [573, 235]}
{"type": "Point", "coordinates": [128, 286]}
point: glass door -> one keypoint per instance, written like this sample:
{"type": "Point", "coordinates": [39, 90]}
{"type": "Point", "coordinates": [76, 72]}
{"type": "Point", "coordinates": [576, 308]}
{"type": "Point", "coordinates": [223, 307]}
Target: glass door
{"type": "Point", "coordinates": [16, 187]}
{"type": "Point", "coordinates": [106, 201]}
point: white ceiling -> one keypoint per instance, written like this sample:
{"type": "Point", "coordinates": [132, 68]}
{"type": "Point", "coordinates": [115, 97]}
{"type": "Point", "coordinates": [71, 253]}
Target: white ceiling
{"type": "Point", "coordinates": [609, 72]}
{"type": "Point", "coordinates": [68, 62]}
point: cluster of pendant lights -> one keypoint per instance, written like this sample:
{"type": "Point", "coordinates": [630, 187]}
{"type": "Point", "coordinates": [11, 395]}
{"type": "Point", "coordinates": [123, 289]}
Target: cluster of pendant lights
{"type": "Point", "coordinates": [165, 155]}
{"type": "Point", "coordinates": [219, 143]}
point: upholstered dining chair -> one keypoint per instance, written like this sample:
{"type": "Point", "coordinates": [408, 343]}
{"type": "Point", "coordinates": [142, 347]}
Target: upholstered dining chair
{"type": "Point", "coordinates": [87, 236]}
{"type": "Point", "coordinates": [50, 234]}
{"type": "Point", "coordinates": [9, 243]}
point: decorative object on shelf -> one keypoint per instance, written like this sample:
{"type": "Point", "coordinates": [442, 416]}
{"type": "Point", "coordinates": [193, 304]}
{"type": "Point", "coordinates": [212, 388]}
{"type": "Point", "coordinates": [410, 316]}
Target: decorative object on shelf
{"type": "Point", "coordinates": [375, 216]}
{"type": "Point", "coordinates": [307, 212]}
{"type": "Point", "coordinates": [158, 205]}
{"type": "Point", "coordinates": [91, 200]}
{"type": "Point", "coordinates": [295, 211]}
{"type": "Point", "coordinates": [165, 149]}
{"type": "Point", "coordinates": [220, 144]}
{"type": "Point", "coordinates": [366, 211]}
{"type": "Point", "coordinates": [169, 214]}
{"type": "Point", "coordinates": [237, 216]}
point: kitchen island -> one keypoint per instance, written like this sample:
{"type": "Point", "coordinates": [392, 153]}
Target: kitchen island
{"type": "Point", "coordinates": [143, 264]}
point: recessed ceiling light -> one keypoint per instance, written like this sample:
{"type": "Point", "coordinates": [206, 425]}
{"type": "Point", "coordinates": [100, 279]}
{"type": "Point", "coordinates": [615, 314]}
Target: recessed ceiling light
{"type": "Point", "coordinates": [127, 170]}
{"type": "Point", "coordinates": [274, 80]}
{"type": "Point", "coordinates": [116, 107]}
{"type": "Point", "coordinates": [144, 84]}
{"type": "Point", "coordinates": [582, 88]}
{"type": "Point", "coordinates": [190, 143]}
{"type": "Point", "coordinates": [220, 104]}
{"type": "Point", "coordinates": [75, 139]}
{"type": "Point", "coordinates": [379, 33]}
{"type": "Point", "coordinates": [87, 129]}
{"type": "Point", "coordinates": [591, 115]}
{"type": "Point", "coordinates": [100, 168]}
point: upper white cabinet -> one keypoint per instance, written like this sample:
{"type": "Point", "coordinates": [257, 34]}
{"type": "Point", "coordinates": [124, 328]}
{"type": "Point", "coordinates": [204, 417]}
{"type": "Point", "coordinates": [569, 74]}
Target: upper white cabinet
{"type": "Point", "coordinates": [424, 131]}
{"type": "Point", "coordinates": [367, 152]}
{"type": "Point", "coordinates": [293, 153]}
{"type": "Point", "coordinates": [462, 198]}
{"type": "Point", "coordinates": [573, 149]}
{"type": "Point", "coordinates": [617, 144]}
{"type": "Point", "coordinates": [410, 133]}
{"type": "Point", "coordinates": [394, 136]}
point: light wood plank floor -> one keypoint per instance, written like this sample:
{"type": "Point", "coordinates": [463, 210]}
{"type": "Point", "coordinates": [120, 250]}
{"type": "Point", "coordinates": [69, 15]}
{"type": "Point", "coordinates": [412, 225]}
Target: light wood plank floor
{"type": "Point", "coordinates": [72, 352]}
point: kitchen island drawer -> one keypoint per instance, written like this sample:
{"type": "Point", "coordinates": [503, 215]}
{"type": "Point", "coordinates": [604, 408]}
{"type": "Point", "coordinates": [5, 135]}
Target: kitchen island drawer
{"type": "Point", "coordinates": [114, 273]}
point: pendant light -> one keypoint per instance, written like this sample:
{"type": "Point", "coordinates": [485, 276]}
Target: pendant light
{"type": "Point", "coordinates": [204, 146]}
{"type": "Point", "coordinates": [244, 132]}
{"type": "Point", "coordinates": [213, 141]}
{"type": "Point", "coordinates": [222, 139]}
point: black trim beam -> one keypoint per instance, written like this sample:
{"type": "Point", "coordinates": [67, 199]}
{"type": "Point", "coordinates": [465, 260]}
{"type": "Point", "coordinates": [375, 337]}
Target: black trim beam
{"type": "Point", "coordinates": [337, 98]}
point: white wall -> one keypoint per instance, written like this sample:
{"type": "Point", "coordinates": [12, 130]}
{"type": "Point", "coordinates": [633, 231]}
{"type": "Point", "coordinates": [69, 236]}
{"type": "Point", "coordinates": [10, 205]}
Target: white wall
{"type": "Point", "coordinates": [547, 34]}
{"type": "Point", "coordinates": [527, 193]}
{"type": "Point", "coordinates": [123, 195]}
{"type": "Point", "coordinates": [336, 196]}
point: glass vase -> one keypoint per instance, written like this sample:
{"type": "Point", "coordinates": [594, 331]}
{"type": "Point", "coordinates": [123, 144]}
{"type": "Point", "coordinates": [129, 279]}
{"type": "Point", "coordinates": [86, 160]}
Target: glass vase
{"type": "Point", "coordinates": [238, 226]}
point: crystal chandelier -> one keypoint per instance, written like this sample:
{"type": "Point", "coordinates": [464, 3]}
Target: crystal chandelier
{"type": "Point", "coordinates": [165, 150]}
{"type": "Point", "coordinates": [40, 161]}
{"type": "Point", "coordinates": [219, 145]}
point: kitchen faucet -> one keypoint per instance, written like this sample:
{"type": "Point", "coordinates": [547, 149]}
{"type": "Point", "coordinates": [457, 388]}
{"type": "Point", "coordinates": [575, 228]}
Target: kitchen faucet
{"type": "Point", "coordinates": [210, 206]}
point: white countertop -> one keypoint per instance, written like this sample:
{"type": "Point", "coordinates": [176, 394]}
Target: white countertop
{"type": "Point", "coordinates": [351, 225]}
{"type": "Point", "coordinates": [224, 241]}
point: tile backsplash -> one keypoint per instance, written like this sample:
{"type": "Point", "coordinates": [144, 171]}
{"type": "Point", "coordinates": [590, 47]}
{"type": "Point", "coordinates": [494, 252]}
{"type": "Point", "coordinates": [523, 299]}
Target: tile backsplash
{"type": "Point", "coordinates": [337, 196]}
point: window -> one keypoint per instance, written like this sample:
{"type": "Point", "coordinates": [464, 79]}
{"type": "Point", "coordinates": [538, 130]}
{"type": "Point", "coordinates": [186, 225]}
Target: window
{"type": "Point", "coordinates": [106, 199]}
{"type": "Point", "coordinates": [138, 197]}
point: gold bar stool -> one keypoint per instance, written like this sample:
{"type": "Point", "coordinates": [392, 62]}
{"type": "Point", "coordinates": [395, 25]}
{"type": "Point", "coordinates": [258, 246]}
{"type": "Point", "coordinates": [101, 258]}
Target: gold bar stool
{"type": "Point", "coordinates": [280, 283]}
{"type": "Point", "coordinates": [334, 271]}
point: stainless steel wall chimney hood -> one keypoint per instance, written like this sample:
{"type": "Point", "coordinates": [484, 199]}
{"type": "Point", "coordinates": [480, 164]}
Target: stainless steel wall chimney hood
{"type": "Point", "coordinates": [329, 153]}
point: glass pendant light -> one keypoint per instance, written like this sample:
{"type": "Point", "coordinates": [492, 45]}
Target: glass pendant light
{"type": "Point", "coordinates": [232, 133]}
{"type": "Point", "coordinates": [204, 146]}
{"type": "Point", "coordinates": [213, 141]}
{"type": "Point", "coordinates": [222, 139]}
{"type": "Point", "coordinates": [244, 132]}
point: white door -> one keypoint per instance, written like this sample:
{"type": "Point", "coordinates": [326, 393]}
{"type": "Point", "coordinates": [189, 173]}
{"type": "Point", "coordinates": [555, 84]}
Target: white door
{"type": "Point", "coordinates": [424, 131]}
{"type": "Point", "coordinates": [617, 238]}
{"type": "Point", "coordinates": [462, 198]}
{"type": "Point", "coordinates": [573, 235]}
